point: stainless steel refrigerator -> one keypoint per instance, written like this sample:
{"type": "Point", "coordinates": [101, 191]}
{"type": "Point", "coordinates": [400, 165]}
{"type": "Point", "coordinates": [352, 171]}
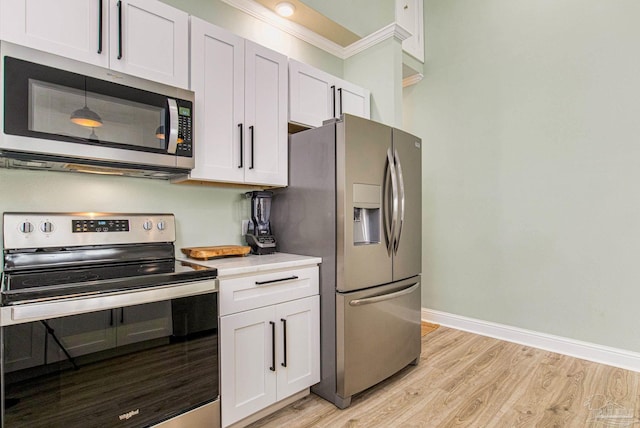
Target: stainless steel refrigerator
{"type": "Point", "coordinates": [354, 199]}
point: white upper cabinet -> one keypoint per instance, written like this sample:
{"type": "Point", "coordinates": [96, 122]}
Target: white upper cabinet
{"type": "Point", "coordinates": [265, 116]}
{"type": "Point", "coordinates": [217, 78]}
{"type": "Point", "coordinates": [144, 38]}
{"type": "Point", "coordinates": [315, 96]}
{"type": "Point", "coordinates": [149, 39]}
{"type": "Point", "coordinates": [71, 28]}
{"type": "Point", "coordinates": [409, 16]}
{"type": "Point", "coordinates": [311, 94]}
{"type": "Point", "coordinates": [241, 108]}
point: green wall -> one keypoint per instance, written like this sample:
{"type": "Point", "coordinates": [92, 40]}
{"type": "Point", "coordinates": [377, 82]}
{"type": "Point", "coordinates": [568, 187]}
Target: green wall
{"type": "Point", "coordinates": [531, 180]}
{"type": "Point", "coordinates": [204, 215]}
{"type": "Point", "coordinates": [379, 68]}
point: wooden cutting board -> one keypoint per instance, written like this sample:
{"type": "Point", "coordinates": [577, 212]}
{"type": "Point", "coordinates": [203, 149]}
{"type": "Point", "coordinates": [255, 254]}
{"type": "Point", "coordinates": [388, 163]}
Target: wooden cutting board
{"type": "Point", "coordinates": [206, 253]}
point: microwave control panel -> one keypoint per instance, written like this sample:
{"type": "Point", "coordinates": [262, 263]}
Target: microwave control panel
{"type": "Point", "coordinates": [185, 128]}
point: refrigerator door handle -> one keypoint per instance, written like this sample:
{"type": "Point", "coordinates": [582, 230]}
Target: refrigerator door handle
{"type": "Point", "coordinates": [402, 200]}
{"type": "Point", "coordinates": [376, 299]}
{"type": "Point", "coordinates": [390, 227]}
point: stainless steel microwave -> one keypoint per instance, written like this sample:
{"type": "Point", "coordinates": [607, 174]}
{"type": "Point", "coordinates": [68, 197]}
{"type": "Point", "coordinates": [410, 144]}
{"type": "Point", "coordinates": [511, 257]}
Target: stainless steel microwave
{"type": "Point", "coordinates": [61, 114]}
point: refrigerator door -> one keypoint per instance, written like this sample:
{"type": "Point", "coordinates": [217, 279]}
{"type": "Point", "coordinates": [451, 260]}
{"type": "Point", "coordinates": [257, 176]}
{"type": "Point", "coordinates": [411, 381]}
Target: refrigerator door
{"type": "Point", "coordinates": [361, 155]}
{"type": "Point", "coordinates": [407, 248]}
{"type": "Point", "coordinates": [378, 333]}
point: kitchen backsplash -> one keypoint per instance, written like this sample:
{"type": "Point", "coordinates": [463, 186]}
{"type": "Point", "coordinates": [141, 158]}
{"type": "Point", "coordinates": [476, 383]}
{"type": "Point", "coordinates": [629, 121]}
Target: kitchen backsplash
{"type": "Point", "coordinates": [205, 215]}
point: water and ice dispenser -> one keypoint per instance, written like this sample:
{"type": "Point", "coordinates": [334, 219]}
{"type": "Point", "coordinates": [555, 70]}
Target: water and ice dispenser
{"type": "Point", "coordinates": [367, 204]}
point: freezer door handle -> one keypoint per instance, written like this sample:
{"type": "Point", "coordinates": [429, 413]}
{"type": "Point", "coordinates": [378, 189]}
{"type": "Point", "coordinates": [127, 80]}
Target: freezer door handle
{"type": "Point", "coordinates": [390, 223]}
{"type": "Point", "coordinates": [401, 192]}
{"type": "Point", "coordinates": [382, 298]}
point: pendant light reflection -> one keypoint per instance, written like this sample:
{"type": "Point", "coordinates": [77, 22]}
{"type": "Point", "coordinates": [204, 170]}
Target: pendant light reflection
{"type": "Point", "coordinates": [85, 116]}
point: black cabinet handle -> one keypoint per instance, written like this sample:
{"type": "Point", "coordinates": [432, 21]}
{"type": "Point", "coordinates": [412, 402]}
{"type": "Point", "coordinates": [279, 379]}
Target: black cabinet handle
{"type": "Point", "coordinates": [99, 26]}
{"type": "Point", "coordinates": [289, 278]}
{"type": "Point", "coordinates": [110, 317]}
{"type": "Point", "coordinates": [252, 147]}
{"type": "Point", "coordinates": [340, 92]}
{"type": "Point", "coordinates": [333, 99]}
{"type": "Point", "coordinates": [273, 346]}
{"type": "Point", "coordinates": [119, 29]}
{"type": "Point", "coordinates": [284, 340]}
{"type": "Point", "coordinates": [121, 315]}
{"type": "Point", "coordinates": [241, 147]}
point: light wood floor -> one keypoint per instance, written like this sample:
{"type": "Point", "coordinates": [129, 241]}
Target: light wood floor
{"type": "Point", "coordinates": [466, 380]}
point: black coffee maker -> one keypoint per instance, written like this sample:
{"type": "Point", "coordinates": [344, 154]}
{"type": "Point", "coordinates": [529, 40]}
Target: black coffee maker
{"type": "Point", "coordinates": [259, 236]}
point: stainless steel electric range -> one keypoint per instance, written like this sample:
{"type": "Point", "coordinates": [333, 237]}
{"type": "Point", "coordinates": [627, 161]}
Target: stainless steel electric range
{"type": "Point", "coordinates": [102, 326]}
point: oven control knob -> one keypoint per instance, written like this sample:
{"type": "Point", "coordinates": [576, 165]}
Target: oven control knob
{"type": "Point", "coordinates": [162, 225]}
{"type": "Point", "coordinates": [147, 225]}
{"type": "Point", "coordinates": [46, 227]}
{"type": "Point", "coordinates": [26, 227]}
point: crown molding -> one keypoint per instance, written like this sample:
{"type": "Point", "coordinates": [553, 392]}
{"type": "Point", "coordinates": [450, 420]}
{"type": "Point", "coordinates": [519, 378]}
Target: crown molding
{"type": "Point", "coordinates": [412, 80]}
{"type": "Point", "coordinates": [392, 30]}
{"type": "Point", "coordinates": [303, 33]}
{"type": "Point", "coordinates": [266, 15]}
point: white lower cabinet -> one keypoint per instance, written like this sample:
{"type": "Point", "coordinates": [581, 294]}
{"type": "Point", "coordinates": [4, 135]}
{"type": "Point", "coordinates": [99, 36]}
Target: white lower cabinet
{"type": "Point", "coordinates": [272, 352]}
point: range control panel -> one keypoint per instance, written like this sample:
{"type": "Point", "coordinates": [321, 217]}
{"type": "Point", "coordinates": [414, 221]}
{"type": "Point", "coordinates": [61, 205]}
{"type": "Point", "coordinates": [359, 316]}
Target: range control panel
{"type": "Point", "coordinates": [115, 225]}
{"type": "Point", "coordinates": [185, 129]}
{"type": "Point", "coordinates": [42, 230]}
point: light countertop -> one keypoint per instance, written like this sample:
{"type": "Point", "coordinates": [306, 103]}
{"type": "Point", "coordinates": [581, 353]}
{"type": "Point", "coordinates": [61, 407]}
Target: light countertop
{"type": "Point", "coordinates": [229, 266]}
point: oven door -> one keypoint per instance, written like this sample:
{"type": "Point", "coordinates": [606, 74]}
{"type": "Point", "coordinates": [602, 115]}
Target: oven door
{"type": "Point", "coordinates": [128, 360]}
{"type": "Point", "coordinates": [50, 110]}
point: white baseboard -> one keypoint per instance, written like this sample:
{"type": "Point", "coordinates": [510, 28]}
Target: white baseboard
{"type": "Point", "coordinates": [587, 351]}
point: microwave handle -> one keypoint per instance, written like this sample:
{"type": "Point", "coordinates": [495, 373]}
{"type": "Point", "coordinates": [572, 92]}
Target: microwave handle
{"type": "Point", "coordinates": [173, 126]}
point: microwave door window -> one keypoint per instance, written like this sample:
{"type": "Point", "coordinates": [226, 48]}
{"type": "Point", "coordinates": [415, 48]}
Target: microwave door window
{"type": "Point", "coordinates": [95, 117]}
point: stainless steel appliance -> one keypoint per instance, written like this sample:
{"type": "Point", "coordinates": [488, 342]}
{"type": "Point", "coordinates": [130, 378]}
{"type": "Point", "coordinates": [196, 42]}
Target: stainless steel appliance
{"type": "Point", "coordinates": [102, 327]}
{"type": "Point", "coordinates": [60, 114]}
{"type": "Point", "coordinates": [259, 236]}
{"type": "Point", "coordinates": [354, 199]}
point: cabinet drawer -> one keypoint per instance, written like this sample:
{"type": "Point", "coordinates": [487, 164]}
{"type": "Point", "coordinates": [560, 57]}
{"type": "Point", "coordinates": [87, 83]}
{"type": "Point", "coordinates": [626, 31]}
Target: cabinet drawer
{"type": "Point", "coordinates": [250, 292]}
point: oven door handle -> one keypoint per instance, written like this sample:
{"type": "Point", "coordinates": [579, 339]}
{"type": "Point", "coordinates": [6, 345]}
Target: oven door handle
{"type": "Point", "coordinates": [173, 126]}
{"type": "Point", "coordinates": [79, 305]}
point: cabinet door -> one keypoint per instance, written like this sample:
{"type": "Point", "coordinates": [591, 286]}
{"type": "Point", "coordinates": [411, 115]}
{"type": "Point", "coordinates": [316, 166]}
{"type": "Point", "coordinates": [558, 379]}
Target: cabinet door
{"type": "Point", "coordinates": [144, 322]}
{"type": "Point", "coordinates": [298, 345]}
{"type": "Point", "coordinates": [311, 94]}
{"type": "Point", "coordinates": [266, 116]}
{"type": "Point", "coordinates": [409, 15]}
{"type": "Point", "coordinates": [70, 28]}
{"type": "Point", "coordinates": [217, 78]}
{"type": "Point", "coordinates": [353, 100]}
{"type": "Point", "coordinates": [247, 383]}
{"type": "Point", "coordinates": [150, 39]}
